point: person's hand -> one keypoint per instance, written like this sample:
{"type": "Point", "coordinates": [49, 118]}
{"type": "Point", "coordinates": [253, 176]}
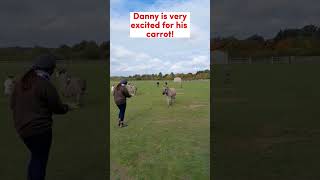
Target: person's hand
{"type": "Point", "coordinates": [72, 106]}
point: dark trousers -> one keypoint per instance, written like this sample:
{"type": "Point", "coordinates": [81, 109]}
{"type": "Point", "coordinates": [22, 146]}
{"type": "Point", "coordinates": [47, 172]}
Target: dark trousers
{"type": "Point", "coordinates": [39, 147]}
{"type": "Point", "coordinates": [122, 111]}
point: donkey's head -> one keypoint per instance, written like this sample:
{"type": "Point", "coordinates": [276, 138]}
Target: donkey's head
{"type": "Point", "coordinates": [165, 91]}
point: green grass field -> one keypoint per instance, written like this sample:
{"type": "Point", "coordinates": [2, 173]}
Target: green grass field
{"type": "Point", "coordinates": [266, 126]}
{"type": "Point", "coordinates": [266, 122]}
{"type": "Point", "coordinates": [80, 137]}
{"type": "Point", "coordinates": [162, 142]}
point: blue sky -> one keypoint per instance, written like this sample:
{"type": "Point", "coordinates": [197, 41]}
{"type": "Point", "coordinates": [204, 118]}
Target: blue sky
{"type": "Point", "coordinates": [145, 56]}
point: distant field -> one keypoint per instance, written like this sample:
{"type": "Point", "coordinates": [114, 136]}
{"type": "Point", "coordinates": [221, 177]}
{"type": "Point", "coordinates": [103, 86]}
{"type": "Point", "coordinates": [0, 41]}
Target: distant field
{"type": "Point", "coordinates": [266, 122]}
{"type": "Point", "coordinates": [80, 138]}
{"type": "Point", "coordinates": [162, 142]}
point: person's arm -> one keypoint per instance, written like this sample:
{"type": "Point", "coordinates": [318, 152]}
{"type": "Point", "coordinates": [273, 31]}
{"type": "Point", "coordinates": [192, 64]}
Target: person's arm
{"type": "Point", "coordinates": [54, 101]}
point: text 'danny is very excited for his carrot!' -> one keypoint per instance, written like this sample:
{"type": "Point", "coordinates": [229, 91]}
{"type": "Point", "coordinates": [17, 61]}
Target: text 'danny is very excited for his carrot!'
{"type": "Point", "coordinates": [160, 24]}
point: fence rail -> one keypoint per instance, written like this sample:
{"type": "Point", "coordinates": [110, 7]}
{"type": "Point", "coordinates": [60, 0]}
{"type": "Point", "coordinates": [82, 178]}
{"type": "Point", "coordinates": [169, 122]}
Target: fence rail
{"type": "Point", "coordinates": [269, 60]}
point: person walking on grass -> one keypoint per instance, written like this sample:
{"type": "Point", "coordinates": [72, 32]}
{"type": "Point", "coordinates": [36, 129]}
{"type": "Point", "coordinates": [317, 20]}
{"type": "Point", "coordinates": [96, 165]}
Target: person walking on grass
{"type": "Point", "coordinates": [33, 102]}
{"type": "Point", "coordinates": [120, 95]}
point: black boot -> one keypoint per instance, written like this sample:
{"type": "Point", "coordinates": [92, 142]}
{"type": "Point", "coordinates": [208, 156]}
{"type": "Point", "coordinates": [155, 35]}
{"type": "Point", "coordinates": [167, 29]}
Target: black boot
{"type": "Point", "coordinates": [122, 124]}
{"type": "Point", "coordinates": [119, 123]}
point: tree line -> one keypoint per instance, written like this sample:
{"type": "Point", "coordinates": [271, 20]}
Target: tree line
{"type": "Point", "coordinates": [303, 41]}
{"type": "Point", "coordinates": [85, 50]}
{"type": "Point", "coordinates": [160, 76]}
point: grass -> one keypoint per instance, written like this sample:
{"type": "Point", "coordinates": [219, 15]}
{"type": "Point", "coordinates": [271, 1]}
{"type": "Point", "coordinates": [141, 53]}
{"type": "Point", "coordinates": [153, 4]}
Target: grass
{"type": "Point", "coordinates": [79, 149]}
{"type": "Point", "coordinates": [162, 142]}
{"type": "Point", "coordinates": [266, 122]}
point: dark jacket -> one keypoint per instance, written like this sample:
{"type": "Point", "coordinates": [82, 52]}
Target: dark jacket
{"type": "Point", "coordinates": [120, 95]}
{"type": "Point", "coordinates": [33, 108]}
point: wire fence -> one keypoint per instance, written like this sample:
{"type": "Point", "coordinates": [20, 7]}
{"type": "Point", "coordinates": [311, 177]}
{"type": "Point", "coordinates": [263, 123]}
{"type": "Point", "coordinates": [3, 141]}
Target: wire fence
{"type": "Point", "coordinates": [225, 59]}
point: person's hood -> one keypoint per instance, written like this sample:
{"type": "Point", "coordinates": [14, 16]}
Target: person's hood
{"type": "Point", "coordinates": [44, 62]}
{"type": "Point", "coordinates": [125, 82]}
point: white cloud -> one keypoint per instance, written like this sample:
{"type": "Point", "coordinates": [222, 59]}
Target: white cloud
{"type": "Point", "coordinates": [145, 56]}
{"type": "Point", "coordinates": [126, 62]}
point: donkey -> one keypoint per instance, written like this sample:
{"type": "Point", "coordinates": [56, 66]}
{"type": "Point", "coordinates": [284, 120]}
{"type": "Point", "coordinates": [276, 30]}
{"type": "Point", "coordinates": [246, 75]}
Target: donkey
{"type": "Point", "coordinates": [72, 87]}
{"type": "Point", "coordinates": [132, 89]}
{"type": "Point", "coordinates": [171, 95]}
